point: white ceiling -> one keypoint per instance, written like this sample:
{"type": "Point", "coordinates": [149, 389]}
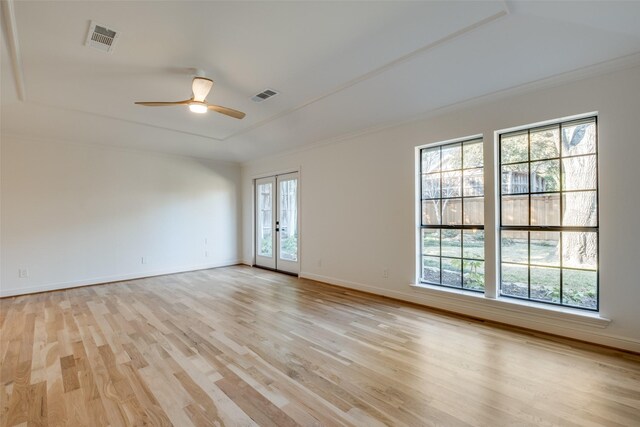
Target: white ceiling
{"type": "Point", "coordinates": [340, 66]}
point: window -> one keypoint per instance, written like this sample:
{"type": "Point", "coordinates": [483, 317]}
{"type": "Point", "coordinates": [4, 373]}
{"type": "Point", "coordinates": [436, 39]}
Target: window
{"type": "Point", "coordinates": [452, 215]}
{"type": "Point", "coordinates": [546, 215]}
{"type": "Point", "coordinates": [549, 214]}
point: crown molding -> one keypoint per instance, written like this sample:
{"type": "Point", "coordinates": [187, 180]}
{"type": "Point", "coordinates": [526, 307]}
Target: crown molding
{"type": "Point", "coordinates": [135, 122]}
{"type": "Point", "coordinates": [602, 68]}
{"type": "Point", "coordinates": [594, 70]}
{"type": "Point", "coordinates": [11, 27]}
{"type": "Point", "coordinates": [30, 139]}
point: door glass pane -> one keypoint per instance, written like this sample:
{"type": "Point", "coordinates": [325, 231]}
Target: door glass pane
{"type": "Point", "coordinates": [289, 220]}
{"type": "Point", "coordinates": [265, 212]}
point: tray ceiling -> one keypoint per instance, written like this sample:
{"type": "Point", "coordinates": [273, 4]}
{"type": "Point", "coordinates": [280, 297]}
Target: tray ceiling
{"type": "Point", "coordinates": [339, 66]}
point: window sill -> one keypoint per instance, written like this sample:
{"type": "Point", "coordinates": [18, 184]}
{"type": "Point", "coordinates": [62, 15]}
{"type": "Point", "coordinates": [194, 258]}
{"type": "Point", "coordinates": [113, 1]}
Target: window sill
{"type": "Point", "coordinates": [475, 302]}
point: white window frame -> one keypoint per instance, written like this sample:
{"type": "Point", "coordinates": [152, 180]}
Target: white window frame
{"type": "Point", "coordinates": [492, 193]}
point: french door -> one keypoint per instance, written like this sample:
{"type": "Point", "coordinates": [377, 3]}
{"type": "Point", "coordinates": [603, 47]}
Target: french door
{"type": "Point", "coordinates": [276, 232]}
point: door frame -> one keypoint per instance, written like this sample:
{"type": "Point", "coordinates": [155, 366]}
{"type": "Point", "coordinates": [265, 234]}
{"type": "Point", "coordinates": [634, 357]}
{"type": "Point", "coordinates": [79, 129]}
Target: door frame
{"type": "Point", "coordinates": [258, 176]}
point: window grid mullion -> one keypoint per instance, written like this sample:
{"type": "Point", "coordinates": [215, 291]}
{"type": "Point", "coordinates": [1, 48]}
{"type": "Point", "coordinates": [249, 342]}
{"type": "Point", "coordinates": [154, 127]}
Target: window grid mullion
{"type": "Point", "coordinates": [442, 226]}
{"type": "Point", "coordinates": [440, 206]}
{"type": "Point", "coordinates": [529, 212]}
{"type": "Point", "coordinates": [561, 229]}
{"type": "Point", "coordinates": [561, 182]}
{"type": "Point", "coordinates": [462, 215]}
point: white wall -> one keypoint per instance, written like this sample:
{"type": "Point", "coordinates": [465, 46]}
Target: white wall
{"type": "Point", "coordinates": [358, 207]}
{"type": "Point", "coordinates": [78, 214]}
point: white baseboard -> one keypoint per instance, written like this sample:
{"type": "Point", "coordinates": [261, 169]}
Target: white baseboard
{"type": "Point", "coordinates": [114, 278]}
{"type": "Point", "coordinates": [585, 328]}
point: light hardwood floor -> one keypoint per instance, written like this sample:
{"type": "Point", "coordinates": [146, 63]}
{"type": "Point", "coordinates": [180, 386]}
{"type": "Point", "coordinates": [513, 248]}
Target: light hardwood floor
{"type": "Point", "coordinates": [242, 346]}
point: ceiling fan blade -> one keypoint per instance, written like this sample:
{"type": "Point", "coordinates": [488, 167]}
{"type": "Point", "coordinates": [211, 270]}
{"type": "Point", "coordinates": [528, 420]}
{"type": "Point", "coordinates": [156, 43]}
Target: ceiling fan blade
{"type": "Point", "coordinates": [227, 111]}
{"type": "Point", "coordinates": [164, 104]}
{"type": "Point", "coordinates": [201, 87]}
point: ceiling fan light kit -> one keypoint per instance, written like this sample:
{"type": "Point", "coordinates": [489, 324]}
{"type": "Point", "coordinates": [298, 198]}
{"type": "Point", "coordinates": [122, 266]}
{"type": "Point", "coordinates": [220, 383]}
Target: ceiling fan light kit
{"type": "Point", "coordinates": [201, 86]}
{"type": "Point", "coordinates": [198, 107]}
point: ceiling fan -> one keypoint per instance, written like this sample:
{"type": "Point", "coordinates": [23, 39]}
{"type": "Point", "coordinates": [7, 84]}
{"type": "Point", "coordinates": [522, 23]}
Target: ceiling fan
{"type": "Point", "coordinates": [198, 104]}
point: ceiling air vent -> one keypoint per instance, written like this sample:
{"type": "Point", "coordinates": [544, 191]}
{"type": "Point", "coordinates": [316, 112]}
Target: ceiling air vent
{"type": "Point", "coordinates": [264, 95]}
{"type": "Point", "coordinates": [101, 37]}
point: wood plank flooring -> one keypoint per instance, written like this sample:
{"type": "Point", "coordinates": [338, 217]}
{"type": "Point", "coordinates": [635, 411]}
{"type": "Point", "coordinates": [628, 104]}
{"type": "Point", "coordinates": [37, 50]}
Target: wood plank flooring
{"type": "Point", "coordinates": [239, 346]}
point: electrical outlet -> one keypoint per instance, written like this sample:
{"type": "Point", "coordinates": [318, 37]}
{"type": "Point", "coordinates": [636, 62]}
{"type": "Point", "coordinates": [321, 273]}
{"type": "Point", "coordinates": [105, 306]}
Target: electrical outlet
{"type": "Point", "coordinates": [385, 273]}
{"type": "Point", "coordinates": [320, 263]}
{"type": "Point", "coordinates": [144, 260]}
{"type": "Point", "coordinates": [23, 273]}
{"type": "Point", "coordinates": [206, 253]}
